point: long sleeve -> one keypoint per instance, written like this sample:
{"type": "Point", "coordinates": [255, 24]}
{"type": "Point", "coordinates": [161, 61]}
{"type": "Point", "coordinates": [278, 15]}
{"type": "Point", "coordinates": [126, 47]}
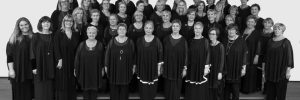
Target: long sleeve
{"type": "Point", "coordinates": [245, 51]}
{"type": "Point", "coordinates": [186, 53]}
{"type": "Point", "coordinates": [32, 51]}
{"type": "Point", "coordinates": [222, 58]}
{"type": "Point", "coordinates": [10, 52]}
{"type": "Point", "coordinates": [107, 53]}
{"type": "Point", "coordinates": [57, 50]}
{"type": "Point", "coordinates": [289, 54]}
{"type": "Point", "coordinates": [160, 50]}
{"type": "Point", "coordinates": [133, 52]}
{"type": "Point", "coordinates": [77, 58]}
{"type": "Point", "coordinates": [258, 48]}
{"type": "Point", "coordinates": [208, 52]}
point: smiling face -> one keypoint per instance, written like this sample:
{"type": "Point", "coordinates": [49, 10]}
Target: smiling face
{"type": "Point", "coordinates": [105, 4]}
{"type": "Point", "coordinates": [176, 27]}
{"type": "Point", "coordinates": [211, 15]}
{"type": "Point", "coordinates": [91, 32]}
{"type": "Point", "coordinates": [138, 16]}
{"type": "Point", "coordinates": [191, 16]}
{"type": "Point", "coordinates": [95, 16]}
{"type": "Point", "coordinates": [79, 14]}
{"type": "Point", "coordinates": [212, 35]}
{"type": "Point", "coordinates": [268, 24]}
{"type": "Point", "coordinates": [149, 28]}
{"type": "Point", "coordinates": [64, 4]}
{"type": "Point", "coordinates": [278, 29]}
{"type": "Point", "coordinates": [254, 10]}
{"type": "Point", "coordinates": [251, 23]}
{"type": "Point", "coordinates": [198, 29]}
{"type": "Point", "coordinates": [232, 32]}
{"type": "Point", "coordinates": [86, 3]}
{"type": "Point", "coordinates": [113, 20]}
{"type": "Point", "coordinates": [24, 26]}
{"type": "Point", "coordinates": [140, 7]}
{"type": "Point", "coordinates": [46, 25]}
{"type": "Point", "coordinates": [229, 20]}
{"type": "Point", "coordinates": [122, 8]}
{"type": "Point", "coordinates": [122, 31]}
{"type": "Point", "coordinates": [244, 2]}
{"type": "Point", "coordinates": [201, 6]}
{"type": "Point", "coordinates": [166, 16]}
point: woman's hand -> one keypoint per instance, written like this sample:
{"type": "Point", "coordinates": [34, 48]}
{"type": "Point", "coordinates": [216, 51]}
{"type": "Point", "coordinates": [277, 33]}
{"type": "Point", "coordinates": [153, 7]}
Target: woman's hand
{"type": "Point", "coordinates": [288, 73]}
{"type": "Point", "coordinates": [206, 70]}
{"type": "Point", "coordinates": [34, 71]}
{"type": "Point", "coordinates": [133, 69]}
{"type": "Point", "coordinates": [12, 73]}
{"type": "Point", "coordinates": [255, 60]}
{"type": "Point", "coordinates": [59, 64]}
{"type": "Point", "coordinates": [220, 76]}
{"type": "Point", "coordinates": [184, 71]}
{"type": "Point", "coordinates": [243, 73]}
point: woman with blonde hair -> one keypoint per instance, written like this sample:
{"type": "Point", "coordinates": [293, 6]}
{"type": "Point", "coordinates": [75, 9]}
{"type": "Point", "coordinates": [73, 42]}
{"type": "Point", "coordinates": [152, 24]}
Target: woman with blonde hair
{"type": "Point", "coordinates": [180, 11]}
{"type": "Point", "coordinates": [80, 20]}
{"type": "Point", "coordinates": [58, 15]}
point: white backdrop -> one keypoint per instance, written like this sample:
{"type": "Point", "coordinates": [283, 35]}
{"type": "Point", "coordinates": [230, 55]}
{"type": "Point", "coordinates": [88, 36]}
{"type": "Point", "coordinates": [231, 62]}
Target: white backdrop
{"type": "Point", "coordinates": [284, 11]}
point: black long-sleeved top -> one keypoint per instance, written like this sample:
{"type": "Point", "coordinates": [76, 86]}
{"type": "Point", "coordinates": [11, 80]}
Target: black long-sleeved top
{"type": "Point", "coordinates": [109, 34]}
{"type": "Point", "coordinates": [243, 14]}
{"type": "Point", "coordinates": [148, 10]}
{"type": "Point", "coordinates": [135, 33]}
{"type": "Point", "coordinates": [217, 59]}
{"type": "Point", "coordinates": [162, 32]}
{"type": "Point", "coordinates": [187, 31]}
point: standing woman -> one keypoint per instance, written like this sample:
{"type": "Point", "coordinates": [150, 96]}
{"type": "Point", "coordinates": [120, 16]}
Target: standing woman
{"type": "Point", "coordinates": [58, 15]}
{"type": "Point", "coordinates": [122, 15]}
{"type": "Point", "coordinates": [228, 20]}
{"type": "Point", "coordinates": [80, 21]}
{"type": "Point", "coordinates": [187, 30]}
{"type": "Point", "coordinates": [66, 41]}
{"type": "Point", "coordinates": [233, 11]}
{"type": "Point", "coordinates": [112, 7]}
{"type": "Point", "coordinates": [255, 9]}
{"type": "Point", "coordinates": [130, 7]}
{"type": "Point", "coordinates": [201, 13]}
{"type": "Point", "coordinates": [149, 62]}
{"type": "Point", "coordinates": [220, 12]}
{"type": "Point", "coordinates": [119, 64]}
{"type": "Point", "coordinates": [175, 62]}
{"type": "Point", "coordinates": [111, 31]}
{"type": "Point", "coordinates": [217, 58]}
{"type": "Point", "coordinates": [198, 66]}
{"type": "Point", "coordinates": [278, 63]}
{"type": "Point", "coordinates": [18, 60]}
{"type": "Point", "coordinates": [235, 63]}
{"type": "Point", "coordinates": [251, 36]}
{"type": "Point", "coordinates": [175, 4]}
{"type": "Point", "coordinates": [226, 6]}
{"type": "Point", "coordinates": [244, 11]}
{"type": "Point", "coordinates": [165, 28]}
{"type": "Point", "coordinates": [89, 64]}
{"type": "Point", "coordinates": [136, 29]}
{"type": "Point", "coordinates": [88, 5]}
{"type": "Point", "coordinates": [95, 16]}
{"type": "Point", "coordinates": [211, 15]}
{"type": "Point", "coordinates": [105, 13]}
{"type": "Point", "coordinates": [180, 11]}
{"type": "Point", "coordinates": [42, 51]}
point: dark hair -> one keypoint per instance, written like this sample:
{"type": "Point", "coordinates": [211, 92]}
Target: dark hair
{"type": "Point", "coordinates": [44, 19]}
{"type": "Point", "coordinates": [232, 26]}
{"type": "Point", "coordinates": [139, 2]}
{"type": "Point", "coordinates": [122, 25]}
{"type": "Point", "coordinates": [176, 21]}
{"type": "Point", "coordinates": [204, 9]}
{"type": "Point", "coordinates": [256, 5]}
{"type": "Point", "coordinates": [94, 11]}
{"type": "Point", "coordinates": [251, 17]}
{"type": "Point", "coordinates": [190, 10]}
{"type": "Point", "coordinates": [214, 29]}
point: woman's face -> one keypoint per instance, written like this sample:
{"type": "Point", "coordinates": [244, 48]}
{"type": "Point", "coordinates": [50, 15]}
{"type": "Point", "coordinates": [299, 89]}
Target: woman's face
{"type": "Point", "coordinates": [24, 26]}
{"type": "Point", "coordinates": [79, 15]}
{"type": "Point", "coordinates": [232, 32]}
{"type": "Point", "coordinates": [113, 20]}
{"type": "Point", "coordinates": [232, 11]}
{"type": "Point", "coordinates": [138, 17]}
{"type": "Point", "coordinates": [95, 17]}
{"type": "Point", "coordinates": [148, 29]}
{"type": "Point", "coordinates": [68, 23]}
{"type": "Point", "coordinates": [105, 4]}
{"type": "Point", "coordinates": [166, 17]}
{"type": "Point", "coordinates": [254, 11]}
{"type": "Point", "coordinates": [219, 7]}
{"type": "Point", "coordinates": [92, 33]}
{"type": "Point", "coordinates": [141, 7]}
{"type": "Point", "coordinates": [122, 8]}
{"type": "Point", "coordinates": [122, 31]}
{"type": "Point", "coordinates": [251, 23]}
{"type": "Point", "coordinates": [210, 2]}
{"type": "Point", "coordinates": [201, 6]}
{"type": "Point", "coordinates": [196, 1]}
{"type": "Point", "coordinates": [86, 3]}
{"type": "Point", "coordinates": [228, 21]}
{"type": "Point", "coordinates": [212, 35]}
{"type": "Point", "coordinates": [211, 16]}
{"type": "Point", "coordinates": [46, 25]}
{"type": "Point", "coordinates": [278, 31]}
{"type": "Point", "coordinates": [176, 27]}
{"type": "Point", "coordinates": [64, 4]}
{"type": "Point", "coordinates": [160, 7]}
{"type": "Point", "coordinates": [244, 2]}
{"type": "Point", "coordinates": [268, 24]}
{"type": "Point", "coordinates": [192, 16]}
{"type": "Point", "coordinates": [198, 29]}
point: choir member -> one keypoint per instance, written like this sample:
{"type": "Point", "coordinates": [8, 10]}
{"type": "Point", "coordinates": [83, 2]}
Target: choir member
{"type": "Point", "coordinates": [156, 16]}
{"type": "Point", "coordinates": [198, 66]}
{"type": "Point", "coordinates": [122, 15]}
{"type": "Point", "coordinates": [148, 9]}
{"type": "Point", "coordinates": [187, 30]}
{"type": "Point", "coordinates": [175, 4]}
{"type": "Point", "coordinates": [251, 36]}
{"type": "Point", "coordinates": [42, 52]}
{"type": "Point", "coordinates": [165, 28]}
{"type": "Point", "coordinates": [175, 62]}
{"type": "Point", "coordinates": [211, 15]}
{"type": "Point", "coordinates": [66, 41]}
{"type": "Point", "coordinates": [119, 63]}
{"type": "Point", "coordinates": [88, 5]}
{"type": "Point", "coordinates": [112, 7]}
{"type": "Point", "coordinates": [235, 63]}
{"type": "Point", "coordinates": [166, 6]}
{"type": "Point", "coordinates": [210, 4]}
{"type": "Point", "coordinates": [139, 7]}
{"type": "Point", "coordinates": [111, 30]}
{"type": "Point", "coordinates": [228, 20]}
{"type": "Point", "coordinates": [233, 11]}
{"type": "Point", "coordinates": [226, 6]}
{"type": "Point", "coordinates": [219, 12]}
{"type": "Point", "coordinates": [195, 5]}
{"type": "Point", "coordinates": [95, 16]}
{"type": "Point", "coordinates": [80, 21]}
{"type": "Point", "coordinates": [130, 7]}
{"type": "Point", "coordinates": [278, 63]}
{"type": "Point", "coordinates": [73, 4]}
{"type": "Point", "coordinates": [89, 64]}
{"type": "Point", "coordinates": [180, 11]}
{"type": "Point", "coordinates": [149, 62]}
{"type": "Point", "coordinates": [18, 60]}
{"type": "Point", "coordinates": [255, 9]}
{"type": "Point", "coordinates": [136, 29]}
{"type": "Point", "coordinates": [217, 58]}
{"type": "Point", "coordinates": [244, 11]}
{"type": "Point", "coordinates": [105, 12]}
{"type": "Point", "coordinates": [201, 13]}
{"type": "Point", "coordinates": [265, 35]}
{"type": "Point", "coordinates": [58, 15]}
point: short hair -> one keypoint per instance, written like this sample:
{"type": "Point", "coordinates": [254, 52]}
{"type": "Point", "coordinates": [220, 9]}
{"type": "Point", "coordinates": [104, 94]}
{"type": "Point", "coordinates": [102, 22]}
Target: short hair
{"type": "Point", "coordinates": [280, 25]}
{"type": "Point", "coordinates": [233, 7]}
{"type": "Point", "coordinates": [94, 11]}
{"type": "Point", "coordinates": [176, 21]}
{"type": "Point", "coordinates": [191, 10]}
{"type": "Point", "coordinates": [92, 28]}
{"type": "Point", "coordinates": [168, 12]}
{"type": "Point", "coordinates": [199, 23]}
{"type": "Point", "coordinates": [204, 9]}
{"type": "Point", "coordinates": [230, 16]}
{"type": "Point", "coordinates": [44, 19]}
{"type": "Point", "coordinates": [135, 14]}
{"type": "Point", "coordinates": [139, 2]}
{"type": "Point", "coordinates": [212, 10]}
{"type": "Point", "coordinates": [149, 22]}
{"type": "Point", "coordinates": [256, 5]}
{"type": "Point", "coordinates": [114, 15]}
{"type": "Point", "coordinates": [251, 17]}
{"type": "Point", "coordinates": [214, 29]}
{"type": "Point", "coordinates": [269, 20]}
{"type": "Point", "coordinates": [122, 25]}
{"type": "Point", "coordinates": [67, 17]}
{"type": "Point", "coordinates": [232, 26]}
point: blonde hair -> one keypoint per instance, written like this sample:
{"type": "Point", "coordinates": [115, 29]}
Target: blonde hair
{"type": "Point", "coordinates": [184, 8]}
{"type": "Point", "coordinates": [17, 34]}
{"type": "Point", "coordinates": [280, 25]}
{"type": "Point", "coordinates": [89, 7]}
{"type": "Point", "coordinates": [84, 18]}
{"type": "Point", "coordinates": [67, 17]}
{"type": "Point", "coordinates": [59, 4]}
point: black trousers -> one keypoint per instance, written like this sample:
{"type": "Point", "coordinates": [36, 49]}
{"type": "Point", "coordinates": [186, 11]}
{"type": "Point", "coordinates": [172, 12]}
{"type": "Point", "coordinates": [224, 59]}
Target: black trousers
{"type": "Point", "coordinates": [232, 89]}
{"type": "Point", "coordinates": [172, 89]}
{"type": "Point", "coordinates": [276, 90]}
{"type": "Point", "coordinates": [119, 92]}
{"type": "Point", "coordinates": [147, 92]}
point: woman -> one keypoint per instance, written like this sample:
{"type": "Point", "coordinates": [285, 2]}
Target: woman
{"type": "Point", "coordinates": [217, 58]}
{"type": "Point", "coordinates": [166, 6]}
{"type": "Point", "coordinates": [255, 9]}
{"type": "Point", "coordinates": [149, 62]}
{"type": "Point", "coordinates": [136, 29]}
{"type": "Point", "coordinates": [119, 64]}
{"type": "Point", "coordinates": [226, 6]}
{"type": "Point", "coordinates": [175, 50]}
{"type": "Point", "coordinates": [89, 64]}
{"type": "Point", "coordinates": [251, 36]}
{"type": "Point", "coordinates": [165, 28]}
{"type": "Point", "coordinates": [219, 12]}
{"type": "Point", "coordinates": [198, 66]}
{"type": "Point", "coordinates": [277, 64]}
{"type": "Point", "coordinates": [66, 41]}
{"type": "Point", "coordinates": [88, 5]}
{"type": "Point", "coordinates": [18, 60]}
{"type": "Point", "coordinates": [211, 15]}
{"type": "Point", "coordinates": [111, 30]}
{"type": "Point", "coordinates": [180, 11]}
{"type": "Point", "coordinates": [42, 52]}
{"type": "Point", "coordinates": [244, 11]}
{"type": "Point", "coordinates": [105, 13]}
{"type": "Point", "coordinates": [175, 4]}
{"type": "Point", "coordinates": [188, 27]}
{"type": "Point", "coordinates": [148, 9]}
{"type": "Point", "coordinates": [228, 20]}
{"type": "Point", "coordinates": [156, 16]}
{"type": "Point", "coordinates": [233, 11]}
{"type": "Point", "coordinates": [80, 21]}
{"type": "Point", "coordinates": [235, 63]}
{"type": "Point", "coordinates": [210, 4]}
{"type": "Point", "coordinates": [95, 16]}
{"type": "Point", "coordinates": [73, 4]}
{"type": "Point", "coordinates": [130, 7]}
{"type": "Point", "coordinates": [122, 15]}
{"type": "Point", "coordinates": [201, 13]}
{"type": "Point", "coordinates": [58, 15]}
{"type": "Point", "coordinates": [112, 7]}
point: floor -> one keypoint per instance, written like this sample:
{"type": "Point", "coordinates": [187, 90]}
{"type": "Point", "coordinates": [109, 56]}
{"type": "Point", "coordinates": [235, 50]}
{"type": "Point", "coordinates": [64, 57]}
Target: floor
{"type": "Point", "coordinates": [293, 93]}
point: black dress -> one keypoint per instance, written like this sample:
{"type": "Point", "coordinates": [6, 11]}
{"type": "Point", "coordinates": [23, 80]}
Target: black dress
{"type": "Point", "coordinates": [248, 82]}
{"type": "Point", "coordinates": [149, 54]}
{"type": "Point", "coordinates": [148, 10]}
{"type": "Point", "coordinates": [18, 53]}
{"type": "Point", "coordinates": [157, 20]}
{"type": "Point", "coordinates": [182, 18]}
{"type": "Point", "coordinates": [243, 14]}
{"type": "Point", "coordinates": [278, 57]}
{"type": "Point", "coordinates": [259, 24]}
{"type": "Point", "coordinates": [134, 33]}
{"type": "Point", "coordinates": [162, 32]}
{"type": "Point", "coordinates": [57, 17]}
{"type": "Point", "coordinates": [217, 58]}
{"type": "Point", "coordinates": [65, 49]}
{"type": "Point", "coordinates": [175, 58]}
{"type": "Point", "coordinates": [126, 20]}
{"type": "Point", "coordinates": [104, 20]}
{"type": "Point", "coordinates": [187, 31]}
{"type": "Point", "coordinates": [208, 26]}
{"type": "Point", "coordinates": [109, 34]}
{"type": "Point", "coordinates": [42, 50]}
{"type": "Point", "coordinates": [196, 82]}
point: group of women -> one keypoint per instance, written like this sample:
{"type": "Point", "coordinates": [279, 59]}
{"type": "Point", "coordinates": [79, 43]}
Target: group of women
{"type": "Point", "coordinates": [205, 52]}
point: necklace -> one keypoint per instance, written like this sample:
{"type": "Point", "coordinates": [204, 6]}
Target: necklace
{"type": "Point", "coordinates": [229, 44]}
